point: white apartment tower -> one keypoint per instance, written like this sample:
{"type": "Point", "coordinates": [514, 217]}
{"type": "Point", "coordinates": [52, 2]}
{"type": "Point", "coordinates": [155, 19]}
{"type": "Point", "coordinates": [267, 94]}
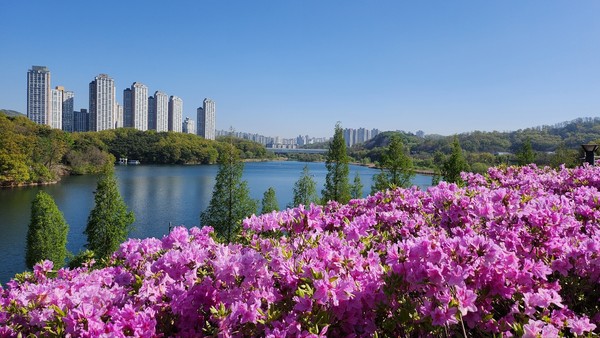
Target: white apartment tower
{"type": "Point", "coordinates": [56, 110]}
{"type": "Point", "coordinates": [189, 127]}
{"type": "Point", "coordinates": [119, 116]}
{"type": "Point", "coordinates": [139, 106]}
{"type": "Point", "coordinates": [102, 103]}
{"type": "Point", "coordinates": [161, 104]}
{"type": "Point", "coordinates": [206, 119]}
{"type": "Point", "coordinates": [38, 95]}
{"type": "Point", "coordinates": [175, 114]}
{"type": "Point", "coordinates": [68, 109]}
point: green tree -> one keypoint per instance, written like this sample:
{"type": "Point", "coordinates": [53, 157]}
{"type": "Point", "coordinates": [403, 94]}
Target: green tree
{"type": "Point", "coordinates": [109, 222]}
{"type": "Point", "coordinates": [563, 155]}
{"type": "Point", "coordinates": [230, 202]}
{"type": "Point", "coordinates": [337, 187]}
{"type": "Point", "coordinates": [525, 155]}
{"type": "Point", "coordinates": [397, 167]}
{"type": "Point", "coordinates": [47, 233]}
{"type": "Point", "coordinates": [305, 189]}
{"type": "Point", "coordinates": [454, 164]}
{"type": "Point", "coordinates": [356, 189]}
{"type": "Point", "coordinates": [269, 201]}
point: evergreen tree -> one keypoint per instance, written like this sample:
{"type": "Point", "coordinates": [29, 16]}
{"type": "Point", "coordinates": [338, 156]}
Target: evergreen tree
{"type": "Point", "coordinates": [305, 189]}
{"type": "Point", "coordinates": [454, 164]}
{"type": "Point", "coordinates": [230, 202]}
{"type": "Point", "coordinates": [526, 155]}
{"type": "Point", "coordinates": [269, 201]}
{"type": "Point", "coordinates": [109, 222]}
{"type": "Point", "coordinates": [337, 187]}
{"type": "Point", "coordinates": [356, 189]}
{"type": "Point", "coordinates": [396, 167]}
{"type": "Point", "coordinates": [47, 233]}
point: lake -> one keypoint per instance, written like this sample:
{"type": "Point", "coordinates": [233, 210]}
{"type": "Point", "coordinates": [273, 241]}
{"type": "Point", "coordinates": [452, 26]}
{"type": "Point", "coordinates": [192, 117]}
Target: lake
{"type": "Point", "coordinates": [157, 194]}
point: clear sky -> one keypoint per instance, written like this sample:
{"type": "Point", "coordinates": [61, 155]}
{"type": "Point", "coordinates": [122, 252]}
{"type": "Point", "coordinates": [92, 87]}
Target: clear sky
{"type": "Point", "coordinates": [290, 67]}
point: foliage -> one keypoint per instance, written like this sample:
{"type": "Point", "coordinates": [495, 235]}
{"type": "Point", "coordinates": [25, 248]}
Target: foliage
{"type": "Point", "coordinates": [305, 190]}
{"type": "Point", "coordinates": [513, 253]}
{"type": "Point", "coordinates": [337, 187]}
{"type": "Point", "coordinates": [396, 167]}
{"type": "Point", "coordinates": [47, 232]}
{"type": "Point", "coordinates": [230, 201]}
{"type": "Point", "coordinates": [454, 164]}
{"type": "Point", "coordinates": [109, 221]}
{"type": "Point", "coordinates": [525, 155]}
{"type": "Point", "coordinates": [356, 188]}
{"type": "Point", "coordinates": [269, 201]}
{"type": "Point", "coordinates": [564, 156]}
{"type": "Point", "coordinates": [29, 153]}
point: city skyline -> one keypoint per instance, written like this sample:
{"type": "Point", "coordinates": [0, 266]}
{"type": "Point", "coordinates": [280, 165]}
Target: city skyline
{"type": "Point", "coordinates": [298, 67]}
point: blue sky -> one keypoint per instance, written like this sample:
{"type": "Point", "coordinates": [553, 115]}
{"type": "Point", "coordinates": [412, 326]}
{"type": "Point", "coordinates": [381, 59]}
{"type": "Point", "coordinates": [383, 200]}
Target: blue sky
{"type": "Point", "coordinates": [283, 68]}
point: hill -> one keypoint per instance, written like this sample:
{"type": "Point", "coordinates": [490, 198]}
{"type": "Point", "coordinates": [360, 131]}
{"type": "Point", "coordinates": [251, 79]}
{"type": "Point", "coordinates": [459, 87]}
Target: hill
{"type": "Point", "coordinates": [12, 113]}
{"type": "Point", "coordinates": [492, 148]}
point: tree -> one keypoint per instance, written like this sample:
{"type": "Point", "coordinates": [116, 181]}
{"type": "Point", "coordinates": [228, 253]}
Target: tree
{"type": "Point", "coordinates": [269, 201]}
{"type": "Point", "coordinates": [526, 155]}
{"type": "Point", "coordinates": [563, 155]}
{"type": "Point", "coordinates": [47, 232]}
{"type": "Point", "coordinates": [337, 187]}
{"type": "Point", "coordinates": [109, 222]}
{"type": "Point", "coordinates": [356, 189]}
{"type": "Point", "coordinates": [396, 167]}
{"type": "Point", "coordinates": [454, 164]}
{"type": "Point", "coordinates": [305, 189]}
{"type": "Point", "coordinates": [230, 202]}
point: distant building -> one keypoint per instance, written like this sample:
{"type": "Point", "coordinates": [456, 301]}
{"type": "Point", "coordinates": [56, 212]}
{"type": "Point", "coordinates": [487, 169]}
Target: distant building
{"type": "Point", "coordinates": [56, 98]}
{"type": "Point", "coordinates": [189, 126]}
{"type": "Point", "coordinates": [119, 116]}
{"type": "Point", "coordinates": [127, 108]}
{"type": "Point", "coordinates": [151, 113]}
{"type": "Point", "coordinates": [161, 102]}
{"type": "Point", "coordinates": [81, 120]}
{"type": "Point", "coordinates": [360, 135]}
{"type": "Point", "coordinates": [102, 103]}
{"type": "Point", "coordinates": [38, 95]}
{"type": "Point", "coordinates": [139, 106]}
{"type": "Point", "coordinates": [175, 114]}
{"type": "Point", "coordinates": [206, 119]}
{"type": "Point", "coordinates": [68, 107]}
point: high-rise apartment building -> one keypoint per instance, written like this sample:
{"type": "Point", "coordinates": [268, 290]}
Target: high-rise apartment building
{"type": "Point", "coordinates": [151, 113]}
{"type": "Point", "coordinates": [68, 108]}
{"type": "Point", "coordinates": [81, 121]}
{"type": "Point", "coordinates": [206, 119]}
{"type": "Point", "coordinates": [102, 103]}
{"type": "Point", "coordinates": [127, 108]}
{"type": "Point", "coordinates": [56, 105]}
{"type": "Point", "coordinates": [38, 95]}
{"type": "Point", "coordinates": [119, 116]}
{"type": "Point", "coordinates": [189, 126]}
{"type": "Point", "coordinates": [161, 102]}
{"type": "Point", "coordinates": [175, 114]}
{"type": "Point", "coordinates": [139, 106]}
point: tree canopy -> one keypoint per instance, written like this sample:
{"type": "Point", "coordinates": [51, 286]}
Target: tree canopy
{"type": "Point", "coordinates": [109, 221]}
{"type": "Point", "coordinates": [230, 202]}
{"type": "Point", "coordinates": [47, 232]}
{"type": "Point", "coordinates": [337, 186]}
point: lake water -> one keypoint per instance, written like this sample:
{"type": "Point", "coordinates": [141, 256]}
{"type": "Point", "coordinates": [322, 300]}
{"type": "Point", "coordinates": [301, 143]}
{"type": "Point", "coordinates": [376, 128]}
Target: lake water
{"type": "Point", "coordinates": [158, 195]}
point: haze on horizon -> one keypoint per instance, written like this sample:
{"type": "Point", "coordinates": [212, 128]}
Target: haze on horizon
{"type": "Point", "coordinates": [297, 67]}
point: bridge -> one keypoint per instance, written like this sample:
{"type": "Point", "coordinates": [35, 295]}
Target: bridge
{"type": "Point", "coordinates": [297, 151]}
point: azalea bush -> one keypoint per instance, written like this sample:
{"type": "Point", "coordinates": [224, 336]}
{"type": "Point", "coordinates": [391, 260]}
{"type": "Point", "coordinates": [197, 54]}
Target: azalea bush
{"type": "Point", "coordinates": [515, 252]}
